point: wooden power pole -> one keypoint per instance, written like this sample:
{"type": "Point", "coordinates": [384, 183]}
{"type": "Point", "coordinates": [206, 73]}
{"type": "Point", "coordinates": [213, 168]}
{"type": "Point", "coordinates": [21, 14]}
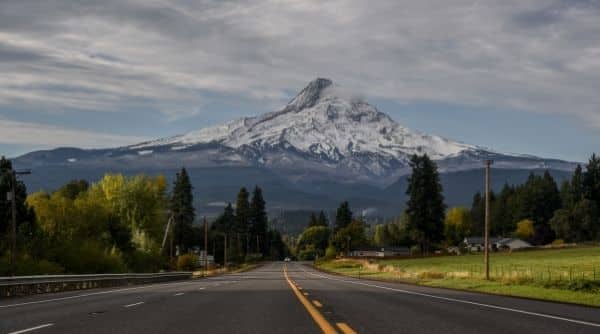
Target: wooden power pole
{"type": "Point", "coordinates": [486, 236]}
{"type": "Point", "coordinates": [205, 246]}
{"type": "Point", "coordinates": [225, 252]}
{"type": "Point", "coordinates": [13, 225]}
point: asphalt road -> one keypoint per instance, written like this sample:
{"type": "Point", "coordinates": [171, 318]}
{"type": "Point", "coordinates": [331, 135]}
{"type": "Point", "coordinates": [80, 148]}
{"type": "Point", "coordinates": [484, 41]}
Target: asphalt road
{"type": "Point", "coordinates": [276, 298]}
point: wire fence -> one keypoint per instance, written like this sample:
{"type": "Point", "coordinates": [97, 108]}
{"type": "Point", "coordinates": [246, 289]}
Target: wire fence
{"type": "Point", "coordinates": [531, 273]}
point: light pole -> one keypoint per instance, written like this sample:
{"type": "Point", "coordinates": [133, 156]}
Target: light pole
{"type": "Point", "coordinates": [486, 237]}
{"type": "Point", "coordinates": [12, 196]}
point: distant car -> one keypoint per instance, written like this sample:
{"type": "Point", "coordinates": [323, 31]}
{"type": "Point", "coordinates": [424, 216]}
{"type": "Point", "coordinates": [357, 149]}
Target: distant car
{"type": "Point", "coordinates": [287, 259]}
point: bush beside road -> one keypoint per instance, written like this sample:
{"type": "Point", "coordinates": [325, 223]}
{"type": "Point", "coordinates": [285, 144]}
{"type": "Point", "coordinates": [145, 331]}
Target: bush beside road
{"type": "Point", "coordinates": [563, 275]}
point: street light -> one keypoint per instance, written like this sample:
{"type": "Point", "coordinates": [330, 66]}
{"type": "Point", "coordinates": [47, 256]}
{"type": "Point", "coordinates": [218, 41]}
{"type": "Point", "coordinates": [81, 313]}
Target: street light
{"type": "Point", "coordinates": [11, 196]}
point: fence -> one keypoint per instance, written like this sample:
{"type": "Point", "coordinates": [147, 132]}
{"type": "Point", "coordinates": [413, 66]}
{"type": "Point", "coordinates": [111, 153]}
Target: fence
{"type": "Point", "coordinates": [29, 285]}
{"type": "Point", "coordinates": [531, 273]}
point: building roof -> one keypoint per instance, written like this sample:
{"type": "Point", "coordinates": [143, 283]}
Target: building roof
{"type": "Point", "coordinates": [382, 249]}
{"type": "Point", "coordinates": [480, 240]}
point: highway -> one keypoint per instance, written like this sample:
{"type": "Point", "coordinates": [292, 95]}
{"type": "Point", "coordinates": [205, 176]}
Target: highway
{"type": "Point", "coordinates": [288, 298]}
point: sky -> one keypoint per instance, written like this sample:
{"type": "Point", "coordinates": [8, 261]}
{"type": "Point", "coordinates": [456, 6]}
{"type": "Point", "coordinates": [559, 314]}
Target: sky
{"type": "Point", "coordinates": [519, 76]}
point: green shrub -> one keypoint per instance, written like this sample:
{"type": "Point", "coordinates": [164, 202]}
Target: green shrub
{"type": "Point", "coordinates": [186, 262]}
{"type": "Point", "coordinates": [87, 257]}
{"type": "Point", "coordinates": [307, 255]}
{"type": "Point", "coordinates": [330, 252]}
{"type": "Point", "coordinates": [145, 262]}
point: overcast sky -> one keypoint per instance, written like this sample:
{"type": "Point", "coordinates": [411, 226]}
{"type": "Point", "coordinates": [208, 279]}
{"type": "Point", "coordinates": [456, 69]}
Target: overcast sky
{"type": "Point", "coordinates": [518, 76]}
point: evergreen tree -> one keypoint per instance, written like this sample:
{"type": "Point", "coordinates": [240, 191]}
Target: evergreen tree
{"type": "Point", "coordinates": [182, 209]}
{"type": "Point", "coordinates": [226, 221]}
{"type": "Point", "coordinates": [313, 221]}
{"type": "Point", "coordinates": [343, 216]}
{"type": "Point", "coordinates": [323, 221]}
{"type": "Point", "coordinates": [425, 206]}
{"type": "Point", "coordinates": [25, 214]}
{"type": "Point", "coordinates": [241, 244]}
{"type": "Point", "coordinates": [258, 221]}
{"type": "Point", "coordinates": [502, 220]}
{"type": "Point", "coordinates": [591, 179]}
{"type": "Point", "coordinates": [222, 228]}
{"type": "Point", "coordinates": [576, 190]}
{"type": "Point", "coordinates": [477, 215]}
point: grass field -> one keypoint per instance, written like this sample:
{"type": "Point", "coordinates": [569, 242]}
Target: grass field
{"type": "Point", "coordinates": [566, 275]}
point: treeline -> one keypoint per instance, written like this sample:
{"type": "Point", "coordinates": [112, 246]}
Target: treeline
{"type": "Point", "coordinates": [119, 224]}
{"type": "Point", "coordinates": [319, 239]}
{"type": "Point", "coordinates": [245, 231]}
{"type": "Point", "coordinates": [538, 211]}
{"type": "Point", "coordinates": [114, 225]}
{"type": "Point", "coordinates": [541, 212]}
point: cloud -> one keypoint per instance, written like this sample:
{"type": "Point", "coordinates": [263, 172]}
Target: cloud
{"type": "Point", "coordinates": [530, 55]}
{"type": "Point", "coordinates": [13, 132]}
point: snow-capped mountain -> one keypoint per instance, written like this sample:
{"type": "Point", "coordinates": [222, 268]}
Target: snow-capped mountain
{"type": "Point", "coordinates": [319, 122]}
{"type": "Point", "coordinates": [324, 124]}
{"type": "Point", "coordinates": [324, 146]}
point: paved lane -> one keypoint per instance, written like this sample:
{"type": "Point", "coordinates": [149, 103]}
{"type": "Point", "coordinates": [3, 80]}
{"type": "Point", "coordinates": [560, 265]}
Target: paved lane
{"type": "Point", "coordinates": [288, 298]}
{"type": "Point", "coordinates": [259, 301]}
{"type": "Point", "coordinates": [375, 307]}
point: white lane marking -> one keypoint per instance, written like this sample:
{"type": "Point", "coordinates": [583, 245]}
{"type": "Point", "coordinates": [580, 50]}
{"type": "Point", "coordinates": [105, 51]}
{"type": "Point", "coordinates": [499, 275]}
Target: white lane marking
{"type": "Point", "coordinates": [134, 304]}
{"type": "Point", "coordinates": [542, 315]}
{"type": "Point", "coordinates": [178, 294]}
{"type": "Point", "coordinates": [96, 293]}
{"type": "Point", "coordinates": [31, 329]}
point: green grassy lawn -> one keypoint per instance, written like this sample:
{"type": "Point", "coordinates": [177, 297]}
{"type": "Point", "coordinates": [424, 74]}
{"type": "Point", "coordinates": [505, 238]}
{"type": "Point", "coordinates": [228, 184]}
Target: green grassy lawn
{"type": "Point", "coordinates": [566, 275]}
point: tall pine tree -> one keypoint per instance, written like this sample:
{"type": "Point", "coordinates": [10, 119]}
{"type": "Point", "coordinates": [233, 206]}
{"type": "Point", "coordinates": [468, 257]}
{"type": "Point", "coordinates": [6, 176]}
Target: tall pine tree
{"type": "Point", "coordinates": [591, 179]}
{"type": "Point", "coordinates": [182, 209]}
{"type": "Point", "coordinates": [25, 214]}
{"type": "Point", "coordinates": [343, 216]}
{"type": "Point", "coordinates": [322, 220]}
{"type": "Point", "coordinates": [258, 221]}
{"type": "Point", "coordinates": [242, 225]}
{"type": "Point", "coordinates": [425, 207]}
{"type": "Point", "coordinates": [313, 220]}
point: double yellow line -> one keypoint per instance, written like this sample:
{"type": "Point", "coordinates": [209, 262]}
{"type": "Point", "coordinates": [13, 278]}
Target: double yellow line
{"type": "Point", "coordinates": [325, 326]}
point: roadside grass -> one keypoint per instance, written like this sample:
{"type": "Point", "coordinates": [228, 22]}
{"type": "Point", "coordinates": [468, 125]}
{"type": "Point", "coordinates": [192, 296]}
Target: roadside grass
{"type": "Point", "coordinates": [220, 271]}
{"type": "Point", "coordinates": [566, 275]}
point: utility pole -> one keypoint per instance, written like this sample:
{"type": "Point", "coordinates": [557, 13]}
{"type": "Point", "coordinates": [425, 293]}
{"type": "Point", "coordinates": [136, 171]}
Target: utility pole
{"type": "Point", "coordinates": [13, 226]}
{"type": "Point", "coordinates": [225, 251]}
{"type": "Point", "coordinates": [257, 245]}
{"type": "Point", "coordinates": [205, 246]}
{"type": "Point", "coordinates": [486, 237]}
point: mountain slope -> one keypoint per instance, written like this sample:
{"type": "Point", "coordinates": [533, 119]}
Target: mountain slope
{"type": "Point", "coordinates": [324, 143]}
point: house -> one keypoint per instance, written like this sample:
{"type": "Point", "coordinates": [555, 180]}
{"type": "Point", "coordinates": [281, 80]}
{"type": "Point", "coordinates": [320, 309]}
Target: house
{"type": "Point", "coordinates": [380, 252]}
{"type": "Point", "coordinates": [476, 244]}
{"type": "Point", "coordinates": [512, 244]}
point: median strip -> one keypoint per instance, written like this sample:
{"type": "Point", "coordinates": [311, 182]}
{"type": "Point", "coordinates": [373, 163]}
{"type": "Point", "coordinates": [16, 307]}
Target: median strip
{"type": "Point", "coordinates": [345, 328]}
{"type": "Point", "coordinates": [325, 326]}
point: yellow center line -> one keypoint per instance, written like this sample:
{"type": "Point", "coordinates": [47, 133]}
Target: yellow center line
{"type": "Point", "coordinates": [325, 326]}
{"type": "Point", "coordinates": [345, 328]}
{"type": "Point", "coordinates": [317, 304]}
